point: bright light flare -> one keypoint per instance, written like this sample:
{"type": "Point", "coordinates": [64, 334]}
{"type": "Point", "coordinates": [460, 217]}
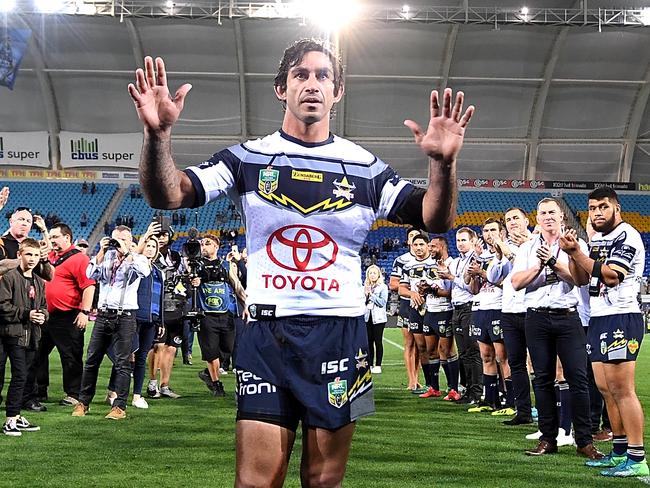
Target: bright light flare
{"type": "Point", "coordinates": [524, 10]}
{"type": "Point", "coordinates": [49, 6]}
{"type": "Point", "coordinates": [330, 15]}
{"type": "Point", "coordinates": [645, 16]}
{"type": "Point", "coordinates": [170, 4]}
{"type": "Point", "coordinates": [7, 5]}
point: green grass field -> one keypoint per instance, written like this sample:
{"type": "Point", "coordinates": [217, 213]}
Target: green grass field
{"type": "Point", "coordinates": [189, 442]}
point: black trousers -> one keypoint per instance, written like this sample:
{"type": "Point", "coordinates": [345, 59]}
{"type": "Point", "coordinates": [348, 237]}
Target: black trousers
{"type": "Point", "coordinates": [61, 333]}
{"type": "Point", "coordinates": [469, 353]}
{"type": "Point", "coordinates": [514, 338]}
{"type": "Point", "coordinates": [16, 355]}
{"type": "Point", "coordinates": [549, 336]}
{"type": "Point", "coordinates": [375, 342]}
{"type": "Point", "coordinates": [118, 331]}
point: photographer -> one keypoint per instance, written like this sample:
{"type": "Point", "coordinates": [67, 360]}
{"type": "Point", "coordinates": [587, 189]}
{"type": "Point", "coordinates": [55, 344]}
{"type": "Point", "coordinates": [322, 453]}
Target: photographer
{"type": "Point", "coordinates": [170, 332]}
{"type": "Point", "coordinates": [217, 284]}
{"type": "Point", "coordinates": [118, 273]}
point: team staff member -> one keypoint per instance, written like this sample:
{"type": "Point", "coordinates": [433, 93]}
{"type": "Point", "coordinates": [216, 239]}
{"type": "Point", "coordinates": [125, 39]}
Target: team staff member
{"type": "Point", "coordinates": [411, 359]}
{"type": "Point", "coordinates": [69, 300]}
{"type": "Point", "coordinates": [613, 269]}
{"type": "Point", "coordinates": [118, 273]}
{"type": "Point", "coordinates": [309, 82]}
{"type": "Point", "coordinates": [513, 313]}
{"type": "Point", "coordinates": [217, 284]}
{"type": "Point", "coordinates": [461, 300]}
{"type": "Point", "coordinates": [553, 326]}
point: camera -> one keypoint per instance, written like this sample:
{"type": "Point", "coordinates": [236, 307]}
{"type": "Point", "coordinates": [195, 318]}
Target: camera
{"type": "Point", "coordinates": [113, 244]}
{"type": "Point", "coordinates": [192, 251]}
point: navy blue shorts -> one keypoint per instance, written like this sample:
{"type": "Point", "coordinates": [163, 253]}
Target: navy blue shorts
{"type": "Point", "coordinates": [486, 326]}
{"type": "Point", "coordinates": [309, 369]}
{"type": "Point", "coordinates": [615, 338]}
{"type": "Point", "coordinates": [416, 321]}
{"type": "Point", "coordinates": [404, 313]}
{"type": "Point", "coordinates": [439, 323]}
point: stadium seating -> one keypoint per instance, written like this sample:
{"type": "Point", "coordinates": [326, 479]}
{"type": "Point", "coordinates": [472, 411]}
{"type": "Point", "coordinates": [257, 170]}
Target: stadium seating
{"type": "Point", "coordinates": [63, 199]}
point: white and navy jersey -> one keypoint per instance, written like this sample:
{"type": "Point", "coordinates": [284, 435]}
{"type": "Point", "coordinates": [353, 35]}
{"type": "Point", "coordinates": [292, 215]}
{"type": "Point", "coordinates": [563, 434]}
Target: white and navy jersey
{"type": "Point", "coordinates": [398, 267]}
{"type": "Point", "coordinates": [460, 291]}
{"type": "Point", "coordinates": [307, 208]}
{"type": "Point", "coordinates": [621, 250]}
{"type": "Point", "coordinates": [414, 272]}
{"type": "Point", "coordinates": [490, 294]}
{"type": "Point", "coordinates": [437, 303]}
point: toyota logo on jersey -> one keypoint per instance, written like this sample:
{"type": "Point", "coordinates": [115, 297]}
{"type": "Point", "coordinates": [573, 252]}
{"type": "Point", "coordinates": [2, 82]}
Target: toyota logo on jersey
{"type": "Point", "coordinates": [301, 248]}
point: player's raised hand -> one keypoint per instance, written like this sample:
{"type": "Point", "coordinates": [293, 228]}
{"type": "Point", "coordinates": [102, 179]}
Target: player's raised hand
{"type": "Point", "coordinates": [444, 136]}
{"type": "Point", "coordinates": [156, 108]}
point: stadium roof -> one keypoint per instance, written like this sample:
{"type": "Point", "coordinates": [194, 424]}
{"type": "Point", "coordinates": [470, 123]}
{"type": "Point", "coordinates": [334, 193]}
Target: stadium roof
{"type": "Point", "coordinates": [561, 93]}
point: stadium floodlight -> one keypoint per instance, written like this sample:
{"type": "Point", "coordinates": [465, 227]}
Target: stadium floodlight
{"type": "Point", "coordinates": [524, 10]}
{"type": "Point", "coordinates": [330, 15]}
{"type": "Point", "coordinates": [7, 5]}
{"type": "Point", "coordinates": [49, 6]}
{"type": "Point", "coordinates": [406, 11]}
{"type": "Point", "coordinates": [645, 16]}
{"type": "Point", "coordinates": [84, 8]}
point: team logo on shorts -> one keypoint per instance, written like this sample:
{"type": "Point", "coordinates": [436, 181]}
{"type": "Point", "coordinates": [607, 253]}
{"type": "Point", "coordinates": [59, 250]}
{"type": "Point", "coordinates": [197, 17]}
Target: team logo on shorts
{"type": "Point", "coordinates": [496, 330]}
{"type": "Point", "coordinates": [178, 340]}
{"type": "Point", "coordinates": [618, 334]}
{"type": "Point", "coordinates": [633, 346]}
{"type": "Point", "coordinates": [603, 347]}
{"type": "Point", "coordinates": [361, 359]}
{"type": "Point", "coordinates": [252, 309]}
{"type": "Point", "coordinates": [337, 392]}
{"type": "Point", "coordinates": [268, 181]}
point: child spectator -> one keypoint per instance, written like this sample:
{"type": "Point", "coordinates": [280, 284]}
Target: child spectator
{"type": "Point", "coordinates": [22, 313]}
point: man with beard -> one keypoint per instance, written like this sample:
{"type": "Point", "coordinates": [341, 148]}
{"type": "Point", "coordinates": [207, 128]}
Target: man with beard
{"type": "Point", "coordinates": [613, 268]}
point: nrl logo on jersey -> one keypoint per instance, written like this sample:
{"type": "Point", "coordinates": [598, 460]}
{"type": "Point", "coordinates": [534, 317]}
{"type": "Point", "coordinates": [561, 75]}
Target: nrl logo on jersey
{"type": "Point", "coordinates": [268, 181]}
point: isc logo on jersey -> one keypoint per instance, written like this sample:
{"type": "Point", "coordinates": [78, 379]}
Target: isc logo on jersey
{"type": "Point", "coordinates": [301, 251]}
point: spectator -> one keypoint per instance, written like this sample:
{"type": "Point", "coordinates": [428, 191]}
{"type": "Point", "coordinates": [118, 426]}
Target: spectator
{"type": "Point", "coordinates": [22, 313]}
{"type": "Point", "coordinates": [83, 221]}
{"type": "Point", "coordinates": [84, 188]}
{"type": "Point", "coordinates": [183, 218]}
{"type": "Point", "coordinates": [93, 188]}
{"type": "Point", "coordinates": [107, 227]}
{"type": "Point", "coordinates": [69, 300]}
{"type": "Point", "coordinates": [174, 218]}
{"type": "Point", "coordinates": [376, 293]}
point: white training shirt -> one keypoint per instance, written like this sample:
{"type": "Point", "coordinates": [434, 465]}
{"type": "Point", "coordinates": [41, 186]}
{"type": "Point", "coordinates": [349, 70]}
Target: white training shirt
{"type": "Point", "coordinates": [307, 208]}
{"type": "Point", "coordinates": [539, 293]}
{"type": "Point", "coordinates": [460, 292]}
{"type": "Point", "coordinates": [489, 296]}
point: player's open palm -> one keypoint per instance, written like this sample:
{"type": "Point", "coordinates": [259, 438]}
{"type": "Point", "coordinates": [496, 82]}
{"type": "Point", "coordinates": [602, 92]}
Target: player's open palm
{"type": "Point", "coordinates": [156, 108]}
{"type": "Point", "coordinates": [444, 136]}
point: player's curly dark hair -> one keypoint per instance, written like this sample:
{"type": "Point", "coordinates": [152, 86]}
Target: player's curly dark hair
{"type": "Point", "coordinates": [293, 55]}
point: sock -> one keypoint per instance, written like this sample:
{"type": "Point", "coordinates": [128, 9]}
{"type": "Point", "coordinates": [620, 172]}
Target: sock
{"type": "Point", "coordinates": [454, 371]}
{"type": "Point", "coordinates": [510, 393]}
{"type": "Point", "coordinates": [435, 374]}
{"type": "Point", "coordinates": [426, 371]}
{"type": "Point", "coordinates": [635, 453]}
{"type": "Point", "coordinates": [491, 389]}
{"type": "Point", "coordinates": [619, 445]}
{"type": "Point", "coordinates": [445, 368]}
{"type": "Point", "coordinates": [565, 407]}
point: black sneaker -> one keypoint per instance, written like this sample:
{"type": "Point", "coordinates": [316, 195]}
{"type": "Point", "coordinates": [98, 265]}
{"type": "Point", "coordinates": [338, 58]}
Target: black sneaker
{"type": "Point", "coordinates": [23, 425]}
{"type": "Point", "coordinates": [9, 428]}
{"type": "Point", "coordinates": [518, 420]}
{"type": "Point", "coordinates": [35, 406]}
{"type": "Point", "coordinates": [217, 389]}
{"type": "Point", "coordinates": [205, 377]}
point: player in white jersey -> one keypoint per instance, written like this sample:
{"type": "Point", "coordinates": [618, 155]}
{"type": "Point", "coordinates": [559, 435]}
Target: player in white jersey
{"type": "Point", "coordinates": [613, 269]}
{"type": "Point", "coordinates": [438, 318]}
{"type": "Point", "coordinates": [411, 360]}
{"type": "Point", "coordinates": [308, 199]}
{"type": "Point", "coordinates": [414, 275]}
{"type": "Point", "coordinates": [486, 319]}
{"type": "Point", "coordinates": [461, 299]}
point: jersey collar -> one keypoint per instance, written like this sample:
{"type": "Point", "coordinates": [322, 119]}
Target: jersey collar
{"type": "Point", "coordinates": [295, 140]}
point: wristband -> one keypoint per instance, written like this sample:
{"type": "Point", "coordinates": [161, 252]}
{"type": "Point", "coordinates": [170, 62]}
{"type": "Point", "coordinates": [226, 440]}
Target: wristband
{"type": "Point", "coordinates": [85, 312]}
{"type": "Point", "coordinates": [596, 271]}
{"type": "Point", "coordinates": [551, 262]}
